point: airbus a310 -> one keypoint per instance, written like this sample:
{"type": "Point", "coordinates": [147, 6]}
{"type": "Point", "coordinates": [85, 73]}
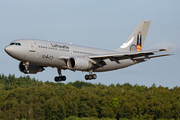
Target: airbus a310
{"type": "Point", "coordinates": [34, 55]}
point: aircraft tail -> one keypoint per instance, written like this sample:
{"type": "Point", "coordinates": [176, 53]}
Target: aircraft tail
{"type": "Point", "coordinates": [137, 38]}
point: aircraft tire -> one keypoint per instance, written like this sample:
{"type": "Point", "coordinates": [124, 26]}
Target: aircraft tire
{"type": "Point", "coordinates": [63, 78]}
{"type": "Point", "coordinates": [26, 71]}
{"type": "Point", "coordinates": [56, 79]}
{"type": "Point", "coordinates": [94, 76]}
{"type": "Point", "coordinates": [87, 77]}
{"type": "Point", "coordinates": [90, 77]}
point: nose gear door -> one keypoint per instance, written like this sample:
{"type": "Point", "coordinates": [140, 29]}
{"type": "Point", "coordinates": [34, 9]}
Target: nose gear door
{"type": "Point", "coordinates": [31, 46]}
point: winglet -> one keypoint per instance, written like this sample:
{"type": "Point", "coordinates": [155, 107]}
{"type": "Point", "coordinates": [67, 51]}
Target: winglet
{"type": "Point", "coordinates": [168, 49]}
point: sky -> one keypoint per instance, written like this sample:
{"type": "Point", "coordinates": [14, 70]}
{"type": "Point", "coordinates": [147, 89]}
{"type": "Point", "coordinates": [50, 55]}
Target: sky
{"type": "Point", "coordinates": [102, 24]}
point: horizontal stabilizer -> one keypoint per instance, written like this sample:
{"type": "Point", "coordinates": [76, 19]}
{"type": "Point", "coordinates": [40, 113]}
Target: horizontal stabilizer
{"type": "Point", "coordinates": [168, 49]}
{"type": "Point", "coordinates": [160, 55]}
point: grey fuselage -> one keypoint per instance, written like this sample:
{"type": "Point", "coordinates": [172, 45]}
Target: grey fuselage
{"type": "Point", "coordinates": [47, 54]}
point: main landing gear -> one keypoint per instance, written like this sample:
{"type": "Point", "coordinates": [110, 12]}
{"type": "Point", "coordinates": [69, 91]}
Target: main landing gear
{"type": "Point", "coordinates": [60, 77]}
{"type": "Point", "coordinates": [90, 76]}
{"type": "Point", "coordinates": [63, 78]}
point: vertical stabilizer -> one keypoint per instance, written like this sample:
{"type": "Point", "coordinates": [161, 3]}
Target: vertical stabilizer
{"type": "Point", "coordinates": [137, 38]}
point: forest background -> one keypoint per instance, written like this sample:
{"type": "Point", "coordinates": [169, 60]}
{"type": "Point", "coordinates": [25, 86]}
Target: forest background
{"type": "Point", "coordinates": [25, 98]}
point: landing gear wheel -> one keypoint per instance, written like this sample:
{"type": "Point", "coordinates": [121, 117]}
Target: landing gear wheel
{"type": "Point", "coordinates": [87, 77]}
{"type": "Point", "coordinates": [90, 77]}
{"type": "Point", "coordinates": [57, 79]}
{"type": "Point", "coordinates": [63, 78]}
{"type": "Point", "coordinates": [26, 71]}
{"type": "Point", "coordinates": [94, 76]}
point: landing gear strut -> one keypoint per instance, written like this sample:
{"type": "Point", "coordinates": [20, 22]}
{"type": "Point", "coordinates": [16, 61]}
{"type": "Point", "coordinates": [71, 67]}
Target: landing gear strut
{"type": "Point", "coordinates": [90, 76]}
{"type": "Point", "coordinates": [26, 65]}
{"type": "Point", "coordinates": [60, 77]}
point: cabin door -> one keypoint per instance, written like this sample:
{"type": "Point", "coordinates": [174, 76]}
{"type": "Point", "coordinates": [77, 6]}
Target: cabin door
{"type": "Point", "coordinates": [32, 47]}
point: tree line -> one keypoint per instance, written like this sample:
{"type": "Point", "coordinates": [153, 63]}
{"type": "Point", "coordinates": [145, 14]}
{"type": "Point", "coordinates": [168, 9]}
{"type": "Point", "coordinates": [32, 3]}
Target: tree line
{"type": "Point", "coordinates": [28, 98]}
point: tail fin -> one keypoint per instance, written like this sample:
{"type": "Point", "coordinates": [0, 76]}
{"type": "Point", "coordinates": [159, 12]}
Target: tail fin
{"type": "Point", "coordinates": [137, 38]}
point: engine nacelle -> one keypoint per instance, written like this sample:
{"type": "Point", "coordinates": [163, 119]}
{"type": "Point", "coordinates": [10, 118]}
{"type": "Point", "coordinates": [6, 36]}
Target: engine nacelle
{"type": "Point", "coordinates": [78, 64]}
{"type": "Point", "coordinates": [33, 69]}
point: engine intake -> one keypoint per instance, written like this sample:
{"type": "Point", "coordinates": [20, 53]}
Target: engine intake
{"type": "Point", "coordinates": [33, 69]}
{"type": "Point", "coordinates": [78, 64]}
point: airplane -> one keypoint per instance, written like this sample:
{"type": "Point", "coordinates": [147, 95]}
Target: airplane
{"type": "Point", "coordinates": [34, 55]}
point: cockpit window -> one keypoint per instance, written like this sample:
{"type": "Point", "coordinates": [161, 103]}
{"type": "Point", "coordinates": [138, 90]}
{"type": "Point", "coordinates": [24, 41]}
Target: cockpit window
{"type": "Point", "coordinates": [19, 44]}
{"type": "Point", "coordinates": [12, 43]}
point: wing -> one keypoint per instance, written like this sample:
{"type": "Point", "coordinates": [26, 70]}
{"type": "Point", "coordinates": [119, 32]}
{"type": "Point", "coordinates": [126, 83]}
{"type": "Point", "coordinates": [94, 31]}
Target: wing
{"type": "Point", "coordinates": [135, 56]}
{"type": "Point", "coordinates": [98, 60]}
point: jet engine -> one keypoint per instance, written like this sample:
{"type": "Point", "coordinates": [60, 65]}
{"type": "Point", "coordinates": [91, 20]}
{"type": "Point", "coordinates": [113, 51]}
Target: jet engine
{"type": "Point", "coordinates": [33, 69]}
{"type": "Point", "coordinates": [78, 64]}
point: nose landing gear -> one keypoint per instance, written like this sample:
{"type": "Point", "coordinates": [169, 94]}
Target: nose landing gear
{"type": "Point", "coordinates": [26, 65]}
{"type": "Point", "coordinates": [60, 77]}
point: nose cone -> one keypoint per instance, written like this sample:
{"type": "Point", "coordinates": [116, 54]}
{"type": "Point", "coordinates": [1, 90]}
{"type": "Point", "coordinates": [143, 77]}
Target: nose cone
{"type": "Point", "coordinates": [9, 50]}
{"type": "Point", "coordinates": [14, 51]}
